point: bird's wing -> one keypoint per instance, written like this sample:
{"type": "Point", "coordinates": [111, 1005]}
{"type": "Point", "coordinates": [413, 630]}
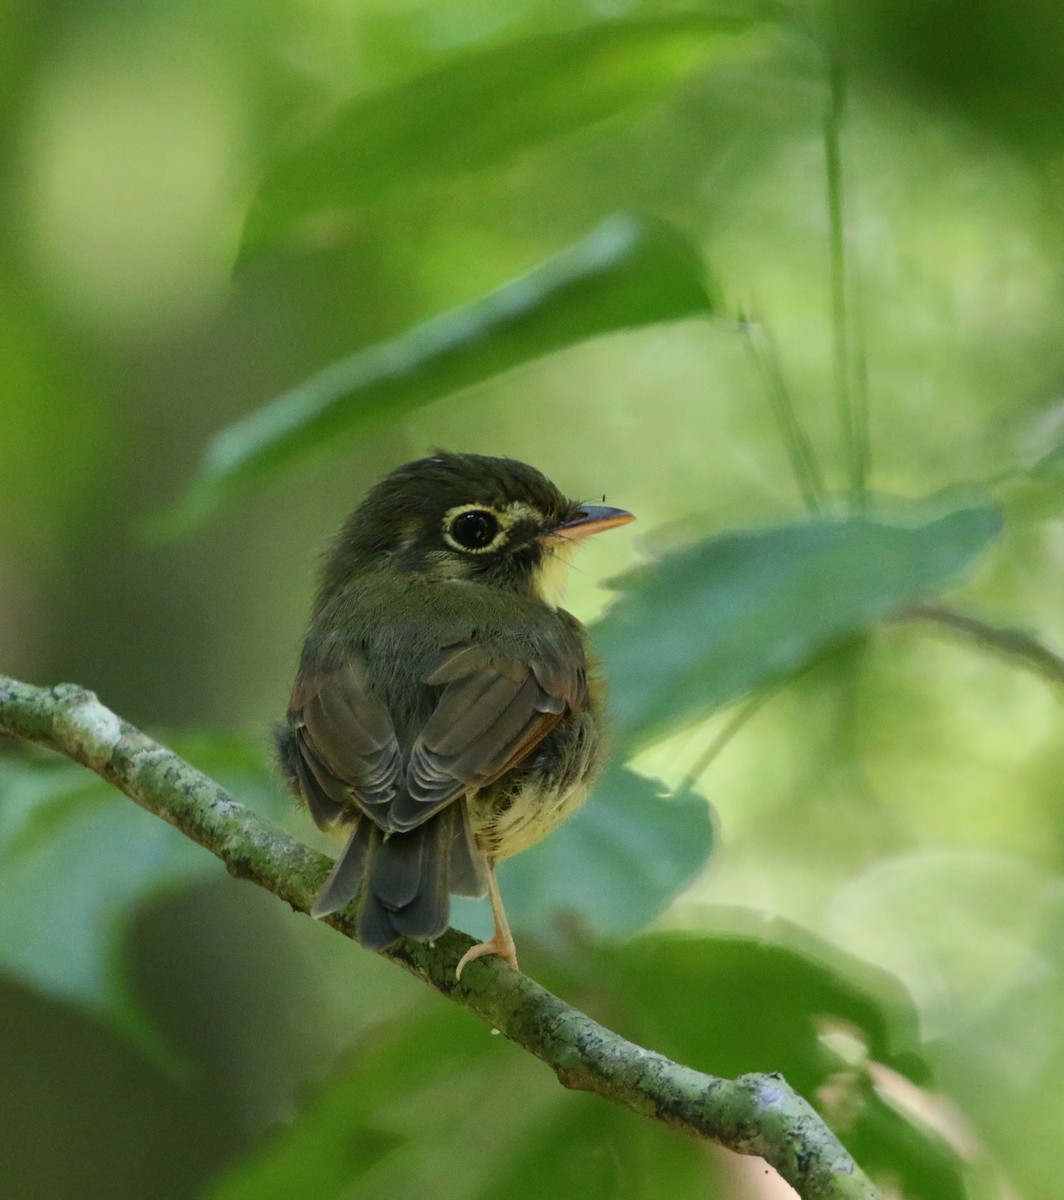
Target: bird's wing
{"type": "Point", "coordinates": [346, 748]}
{"type": "Point", "coordinates": [491, 711]}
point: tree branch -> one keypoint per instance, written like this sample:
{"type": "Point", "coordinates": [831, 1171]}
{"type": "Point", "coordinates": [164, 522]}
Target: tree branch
{"type": "Point", "coordinates": [754, 1114]}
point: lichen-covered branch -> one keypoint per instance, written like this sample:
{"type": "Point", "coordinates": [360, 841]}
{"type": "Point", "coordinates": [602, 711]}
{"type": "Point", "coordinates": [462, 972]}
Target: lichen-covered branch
{"type": "Point", "coordinates": [755, 1114]}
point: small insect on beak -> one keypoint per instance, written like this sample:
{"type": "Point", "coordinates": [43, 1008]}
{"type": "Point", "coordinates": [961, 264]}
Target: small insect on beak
{"type": "Point", "coordinates": [592, 518]}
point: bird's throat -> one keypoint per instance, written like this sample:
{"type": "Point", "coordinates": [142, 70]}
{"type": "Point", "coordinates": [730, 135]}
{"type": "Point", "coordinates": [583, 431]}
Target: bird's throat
{"type": "Point", "coordinates": [552, 574]}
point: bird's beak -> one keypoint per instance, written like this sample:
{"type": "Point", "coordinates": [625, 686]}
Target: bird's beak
{"type": "Point", "coordinates": [592, 518]}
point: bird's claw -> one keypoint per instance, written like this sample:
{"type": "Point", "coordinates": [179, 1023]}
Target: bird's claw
{"type": "Point", "coordinates": [502, 947]}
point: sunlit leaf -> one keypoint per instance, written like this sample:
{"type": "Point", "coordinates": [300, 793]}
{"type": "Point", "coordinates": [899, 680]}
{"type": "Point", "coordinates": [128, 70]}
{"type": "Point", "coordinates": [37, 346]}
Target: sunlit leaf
{"type": "Point", "coordinates": [479, 110]}
{"type": "Point", "coordinates": [628, 272]}
{"type": "Point", "coordinates": [960, 928]}
{"type": "Point", "coordinates": [1050, 464]}
{"type": "Point", "coordinates": [772, 997]}
{"type": "Point", "coordinates": [1035, 489]}
{"type": "Point", "coordinates": [974, 935]}
{"type": "Point", "coordinates": [1000, 1054]}
{"type": "Point", "coordinates": [714, 621]}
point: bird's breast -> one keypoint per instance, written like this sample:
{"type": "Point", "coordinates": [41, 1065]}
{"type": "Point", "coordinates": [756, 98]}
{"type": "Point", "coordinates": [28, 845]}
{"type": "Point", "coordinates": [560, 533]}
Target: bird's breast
{"type": "Point", "coordinates": [530, 801]}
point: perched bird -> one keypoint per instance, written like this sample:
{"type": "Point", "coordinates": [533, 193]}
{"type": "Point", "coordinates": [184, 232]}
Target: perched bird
{"type": "Point", "coordinates": [444, 715]}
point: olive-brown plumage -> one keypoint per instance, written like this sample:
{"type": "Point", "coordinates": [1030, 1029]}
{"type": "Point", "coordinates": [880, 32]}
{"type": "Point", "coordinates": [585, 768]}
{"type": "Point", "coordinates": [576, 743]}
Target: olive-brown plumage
{"type": "Point", "coordinates": [443, 716]}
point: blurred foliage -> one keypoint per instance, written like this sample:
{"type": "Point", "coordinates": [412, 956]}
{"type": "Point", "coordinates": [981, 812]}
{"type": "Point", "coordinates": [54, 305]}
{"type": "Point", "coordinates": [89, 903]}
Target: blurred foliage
{"type": "Point", "coordinates": [411, 1140]}
{"type": "Point", "coordinates": [206, 205]}
{"type": "Point", "coordinates": [625, 274]}
{"type": "Point", "coordinates": [430, 128]}
{"type": "Point", "coordinates": [723, 617]}
{"type": "Point", "coordinates": [70, 841]}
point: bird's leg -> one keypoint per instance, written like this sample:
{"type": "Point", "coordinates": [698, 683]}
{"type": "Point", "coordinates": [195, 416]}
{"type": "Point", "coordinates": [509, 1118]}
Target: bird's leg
{"type": "Point", "coordinates": [502, 942]}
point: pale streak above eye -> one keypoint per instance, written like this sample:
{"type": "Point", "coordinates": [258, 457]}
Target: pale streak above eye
{"type": "Point", "coordinates": [519, 510]}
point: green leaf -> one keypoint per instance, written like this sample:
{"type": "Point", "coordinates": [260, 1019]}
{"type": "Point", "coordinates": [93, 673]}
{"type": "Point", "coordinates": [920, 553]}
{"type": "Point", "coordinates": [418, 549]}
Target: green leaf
{"type": "Point", "coordinates": [1034, 489]}
{"type": "Point", "coordinates": [770, 996]}
{"type": "Point", "coordinates": [77, 859]}
{"type": "Point", "coordinates": [477, 111]}
{"type": "Point", "coordinates": [712, 622]}
{"type": "Point", "coordinates": [758, 988]}
{"type": "Point", "coordinates": [628, 272]}
{"type": "Point", "coordinates": [438, 1107]}
{"type": "Point", "coordinates": [617, 864]}
{"type": "Point", "coordinates": [1050, 465]}
{"type": "Point", "coordinates": [960, 928]}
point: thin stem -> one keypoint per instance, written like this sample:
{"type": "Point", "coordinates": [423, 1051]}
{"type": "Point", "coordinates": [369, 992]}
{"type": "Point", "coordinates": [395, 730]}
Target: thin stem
{"type": "Point", "coordinates": [796, 442]}
{"type": "Point", "coordinates": [851, 392]}
{"type": "Point", "coordinates": [1014, 643]}
{"type": "Point", "coordinates": [736, 723]}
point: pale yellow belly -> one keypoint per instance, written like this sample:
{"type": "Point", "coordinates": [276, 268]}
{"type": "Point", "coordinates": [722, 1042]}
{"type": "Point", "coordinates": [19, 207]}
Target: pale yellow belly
{"type": "Point", "coordinates": [532, 816]}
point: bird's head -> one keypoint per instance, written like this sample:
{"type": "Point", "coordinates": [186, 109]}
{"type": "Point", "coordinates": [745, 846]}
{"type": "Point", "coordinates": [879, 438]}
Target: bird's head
{"type": "Point", "coordinates": [469, 517]}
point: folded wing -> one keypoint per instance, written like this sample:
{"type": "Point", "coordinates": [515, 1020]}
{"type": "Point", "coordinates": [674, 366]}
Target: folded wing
{"type": "Point", "coordinates": [411, 846]}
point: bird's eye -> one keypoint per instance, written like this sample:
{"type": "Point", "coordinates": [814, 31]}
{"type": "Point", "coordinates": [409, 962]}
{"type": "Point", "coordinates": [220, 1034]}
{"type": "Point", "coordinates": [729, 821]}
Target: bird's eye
{"type": "Point", "coordinates": [475, 529]}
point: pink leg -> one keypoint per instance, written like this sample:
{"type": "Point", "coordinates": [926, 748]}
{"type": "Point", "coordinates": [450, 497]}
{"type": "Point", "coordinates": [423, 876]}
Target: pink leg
{"type": "Point", "coordinates": [502, 942]}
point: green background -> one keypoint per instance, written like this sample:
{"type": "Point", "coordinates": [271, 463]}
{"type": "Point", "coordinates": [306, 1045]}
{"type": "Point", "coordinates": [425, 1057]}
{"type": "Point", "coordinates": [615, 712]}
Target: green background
{"type": "Point", "coordinates": [840, 832]}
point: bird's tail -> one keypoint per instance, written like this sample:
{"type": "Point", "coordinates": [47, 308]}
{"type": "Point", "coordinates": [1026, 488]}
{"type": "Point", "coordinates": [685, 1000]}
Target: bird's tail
{"type": "Point", "coordinates": [405, 880]}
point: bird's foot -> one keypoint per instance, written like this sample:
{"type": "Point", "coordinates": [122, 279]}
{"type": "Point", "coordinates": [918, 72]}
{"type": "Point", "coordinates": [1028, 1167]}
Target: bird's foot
{"type": "Point", "coordinates": [502, 946]}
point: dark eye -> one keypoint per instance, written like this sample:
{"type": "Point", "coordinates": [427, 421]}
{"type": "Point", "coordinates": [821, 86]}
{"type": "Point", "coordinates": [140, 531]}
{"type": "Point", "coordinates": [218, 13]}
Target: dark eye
{"type": "Point", "coordinates": [475, 529]}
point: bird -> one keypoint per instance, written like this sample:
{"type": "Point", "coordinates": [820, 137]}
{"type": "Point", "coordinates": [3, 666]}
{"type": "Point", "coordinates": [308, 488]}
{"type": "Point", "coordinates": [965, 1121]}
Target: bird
{"type": "Point", "coordinates": [445, 713]}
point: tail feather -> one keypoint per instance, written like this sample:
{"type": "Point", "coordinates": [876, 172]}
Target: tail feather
{"type": "Point", "coordinates": [427, 913]}
{"type": "Point", "coordinates": [405, 880]}
{"type": "Point", "coordinates": [398, 866]}
{"type": "Point", "coordinates": [376, 928]}
{"type": "Point", "coordinates": [345, 879]}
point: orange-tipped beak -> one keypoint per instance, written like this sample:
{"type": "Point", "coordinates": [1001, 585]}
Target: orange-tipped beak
{"type": "Point", "coordinates": [592, 518]}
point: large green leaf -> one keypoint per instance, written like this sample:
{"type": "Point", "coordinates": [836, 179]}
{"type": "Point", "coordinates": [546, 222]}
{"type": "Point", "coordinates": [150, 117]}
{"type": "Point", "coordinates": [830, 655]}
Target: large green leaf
{"type": "Point", "coordinates": [617, 864]}
{"type": "Point", "coordinates": [438, 1107]}
{"type": "Point", "coordinates": [770, 996]}
{"type": "Point", "coordinates": [77, 859]}
{"type": "Point", "coordinates": [628, 272]}
{"type": "Point", "coordinates": [716, 620]}
{"type": "Point", "coordinates": [477, 111]}
{"type": "Point", "coordinates": [756, 990]}
{"type": "Point", "coordinates": [1035, 489]}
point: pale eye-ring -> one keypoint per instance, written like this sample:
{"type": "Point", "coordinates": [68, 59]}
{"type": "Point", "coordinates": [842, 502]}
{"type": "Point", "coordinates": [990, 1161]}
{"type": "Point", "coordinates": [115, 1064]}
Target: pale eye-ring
{"type": "Point", "coordinates": [475, 529]}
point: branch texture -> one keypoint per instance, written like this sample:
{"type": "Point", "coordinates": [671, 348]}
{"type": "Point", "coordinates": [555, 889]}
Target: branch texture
{"type": "Point", "coordinates": [754, 1114]}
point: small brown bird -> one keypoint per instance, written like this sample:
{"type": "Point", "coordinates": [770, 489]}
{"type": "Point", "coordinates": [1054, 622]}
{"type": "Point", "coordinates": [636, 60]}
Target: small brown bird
{"type": "Point", "coordinates": [444, 716]}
